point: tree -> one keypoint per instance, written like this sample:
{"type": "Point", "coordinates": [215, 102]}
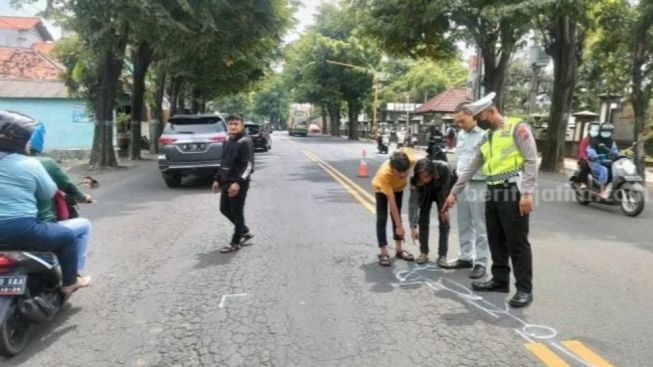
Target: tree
{"type": "Point", "coordinates": [271, 101]}
{"type": "Point", "coordinates": [563, 25]}
{"type": "Point", "coordinates": [430, 29]}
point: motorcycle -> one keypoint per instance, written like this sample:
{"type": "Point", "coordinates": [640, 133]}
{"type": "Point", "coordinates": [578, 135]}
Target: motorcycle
{"type": "Point", "coordinates": [30, 292]}
{"type": "Point", "coordinates": [627, 189]}
{"type": "Point", "coordinates": [383, 144]}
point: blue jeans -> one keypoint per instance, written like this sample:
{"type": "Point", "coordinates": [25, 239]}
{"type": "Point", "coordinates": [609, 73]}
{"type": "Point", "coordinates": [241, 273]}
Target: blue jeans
{"type": "Point", "coordinates": [33, 234]}
{"type": "Point", "coordinates": [82, 229]}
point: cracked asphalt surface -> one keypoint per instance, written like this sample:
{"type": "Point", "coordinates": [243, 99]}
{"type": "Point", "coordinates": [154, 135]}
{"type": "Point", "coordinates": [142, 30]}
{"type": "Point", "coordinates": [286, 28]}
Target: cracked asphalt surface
{"type": "Point", "coordinates": [311, 291]}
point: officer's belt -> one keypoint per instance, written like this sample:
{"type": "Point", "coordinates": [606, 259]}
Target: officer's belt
{"type": "Point", "coordinates": [503, 178]}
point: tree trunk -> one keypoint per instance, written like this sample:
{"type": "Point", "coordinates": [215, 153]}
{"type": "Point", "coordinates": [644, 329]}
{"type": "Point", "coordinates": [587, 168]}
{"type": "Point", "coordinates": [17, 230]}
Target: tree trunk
{"type": "Point", "coordinates": [352, 113]}
{"type": "Point", "coordinates": [195, 102]}
{"type": "Point", "coordinates": [159, 93]}
{"type": "Point", "coordinates": [108, 71]}
{"type": "Point", "coordinates": [181, 99]}
{"type": "Point", "coordinates": [175, 90]}
{"type": "Point", "coordinates": [334, 115]}
{"type": "Point", "coordinates": [142, 61]}
{"type": "Point", "coordinates": [325, 125]}
{"type": "Point", "coordinates": [640, 97]}
{"type": "Point", "coordinates": [565, 48]}
{"type": "Point", "coordinates": [495, 73]}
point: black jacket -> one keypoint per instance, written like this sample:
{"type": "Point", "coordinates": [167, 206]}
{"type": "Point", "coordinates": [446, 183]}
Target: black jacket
{"type": "Point", "coordinates": [437, 190]}
{"type": "Point", "coordinates": [237, 160]}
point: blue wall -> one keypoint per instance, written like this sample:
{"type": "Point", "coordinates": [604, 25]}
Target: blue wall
{"type": "Point", "coordinates": [67, 121]}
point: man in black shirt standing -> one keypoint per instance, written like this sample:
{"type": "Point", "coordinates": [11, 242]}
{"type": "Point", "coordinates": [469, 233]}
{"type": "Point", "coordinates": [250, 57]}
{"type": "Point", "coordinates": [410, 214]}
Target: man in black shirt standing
{"type": "Point", "coordinates": [232, 181]}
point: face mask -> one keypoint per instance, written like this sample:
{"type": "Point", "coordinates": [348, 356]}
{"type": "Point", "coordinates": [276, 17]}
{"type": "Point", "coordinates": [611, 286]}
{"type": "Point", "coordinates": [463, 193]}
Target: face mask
{"type": "Point", "coordinates": [606, 135]}
{"type": "Point", "coordinates": [594, 134]}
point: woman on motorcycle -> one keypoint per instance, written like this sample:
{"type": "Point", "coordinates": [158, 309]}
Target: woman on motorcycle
{"type": "Point", "coordinates": [600, 153]}
{"type": "Point", "coordinates": [46, 210]}
{"type": "Point", "coordinates": [23, 180]}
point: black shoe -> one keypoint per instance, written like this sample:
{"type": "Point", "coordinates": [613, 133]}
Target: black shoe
{"type": "Point", "coordinates": [460, 264]}
{"type": "Point", "coordinates": [521, 299]}
{"type": "Point", "coordinates": [477, 272]}
{"type": "Point", "coordinates": [491, 286]}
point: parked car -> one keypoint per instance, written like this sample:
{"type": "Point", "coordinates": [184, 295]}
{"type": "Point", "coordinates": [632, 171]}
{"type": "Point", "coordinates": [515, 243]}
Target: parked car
{"type": "Point", "coordinates": [314, 129]}
{"type": "Point", "coordinates": [191, 145]}
{"type": "Point", "coordinates": [260, 134]}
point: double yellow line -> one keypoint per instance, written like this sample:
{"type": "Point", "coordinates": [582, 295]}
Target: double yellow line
{"type": "Point", "coordinates": [579, 350]}
{"type": "Point", "coordinates": [362, 196]}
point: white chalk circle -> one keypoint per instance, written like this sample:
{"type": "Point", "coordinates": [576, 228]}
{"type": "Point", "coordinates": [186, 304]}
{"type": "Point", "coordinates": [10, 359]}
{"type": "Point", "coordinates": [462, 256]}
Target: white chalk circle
{"type": "Point", "coordinates": [539, 332]}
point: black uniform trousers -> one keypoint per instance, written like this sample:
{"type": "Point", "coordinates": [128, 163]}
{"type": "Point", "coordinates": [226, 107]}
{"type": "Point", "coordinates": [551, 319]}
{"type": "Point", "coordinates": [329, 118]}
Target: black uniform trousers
{"type": "Point", "coordinates": [507, 232]}
{"type": "Point", "coordinates": [424, 224]}
{"type": "Point", "coordinates": [234, 209]}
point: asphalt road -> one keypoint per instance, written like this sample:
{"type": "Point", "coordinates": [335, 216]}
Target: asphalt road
{"type": "Point", "coordinates": [310, 292]}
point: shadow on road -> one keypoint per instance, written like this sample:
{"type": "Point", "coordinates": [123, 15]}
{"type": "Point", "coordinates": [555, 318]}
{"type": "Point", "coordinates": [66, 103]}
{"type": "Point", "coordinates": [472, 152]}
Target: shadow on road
{"type": "Point", "coordinates": [213, 258]}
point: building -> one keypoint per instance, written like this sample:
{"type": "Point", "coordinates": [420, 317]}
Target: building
{"type": "Point", "coordinates": [30, 83]}
{"type": "Point", "coordinates": [23, 32]}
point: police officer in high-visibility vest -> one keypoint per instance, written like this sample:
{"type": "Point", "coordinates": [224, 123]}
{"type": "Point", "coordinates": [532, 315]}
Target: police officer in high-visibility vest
{"type": "Point", "coordinates": [507, 155]}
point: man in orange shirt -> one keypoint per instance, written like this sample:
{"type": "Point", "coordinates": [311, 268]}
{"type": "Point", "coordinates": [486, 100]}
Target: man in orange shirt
{"type": "Point", "coordinates": [389, 183]}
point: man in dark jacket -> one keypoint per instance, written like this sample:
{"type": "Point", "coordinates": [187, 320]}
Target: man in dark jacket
{"type": "Point", "coordinates": [233, 181]}
{"type": "Point", "coordinates": [431, 183]}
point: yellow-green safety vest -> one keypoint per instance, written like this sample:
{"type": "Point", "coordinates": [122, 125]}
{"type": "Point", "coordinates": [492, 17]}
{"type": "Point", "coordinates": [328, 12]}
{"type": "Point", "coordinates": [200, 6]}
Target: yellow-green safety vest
{"type": "Point", "coordinates": [502, 159]}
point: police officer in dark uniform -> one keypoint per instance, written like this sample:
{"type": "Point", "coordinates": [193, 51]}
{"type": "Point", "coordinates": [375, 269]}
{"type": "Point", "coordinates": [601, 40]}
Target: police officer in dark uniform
{"type": "Point", "coordinates": [232, 181]}
{"type": "Point", "coordinates": [508, 157]}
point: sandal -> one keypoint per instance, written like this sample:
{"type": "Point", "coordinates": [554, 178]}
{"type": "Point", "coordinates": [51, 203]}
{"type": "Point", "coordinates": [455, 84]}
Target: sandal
{"type": "Point", "coordinates": [244, 241]}
{"type": "Point", "coordinates": [405, 255]}
{"type": "Point", "coordinates": [230, 248]}
{"type": "Point", "coordinates": [422, 258]}
{"type": "Point", "coordinates": [384, 260]}
{"type": "Point", "coordinates": [82, 282]}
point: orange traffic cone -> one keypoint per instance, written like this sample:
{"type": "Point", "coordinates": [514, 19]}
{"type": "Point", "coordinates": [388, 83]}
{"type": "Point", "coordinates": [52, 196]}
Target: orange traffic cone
{"type": "Point", "coordinates": [363, 170]}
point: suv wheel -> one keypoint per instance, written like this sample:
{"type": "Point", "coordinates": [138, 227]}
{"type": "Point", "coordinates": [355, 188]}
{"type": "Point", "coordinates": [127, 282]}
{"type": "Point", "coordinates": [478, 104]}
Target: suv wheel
{"type": "Point", "coordinates": [172, 181]}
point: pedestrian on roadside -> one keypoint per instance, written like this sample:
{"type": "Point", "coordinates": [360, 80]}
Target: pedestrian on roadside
{"type": "Point", "coordinates": [389, 183]}
{"type": "Point", "coordinates": [430, 183]}
{"type": "Point", "coordinates": [474, 251]}
{"type": "Point", "coordinates": [233, 179]}
{"type": "Point", "coordinates": [508, 156]}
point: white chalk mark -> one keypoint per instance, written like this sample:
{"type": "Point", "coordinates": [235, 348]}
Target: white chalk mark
{"type": "Point", "coordinates": [524, 336]}
{"type": "Point", "coordinates": [224, 298]}
{"type": "Point", "coordinates": [570, 354]}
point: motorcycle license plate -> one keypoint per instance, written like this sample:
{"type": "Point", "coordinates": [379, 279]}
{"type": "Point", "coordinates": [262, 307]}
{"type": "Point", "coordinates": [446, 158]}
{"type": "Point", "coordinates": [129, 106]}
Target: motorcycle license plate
{"type": "Point", "coordinates": [12, 285]}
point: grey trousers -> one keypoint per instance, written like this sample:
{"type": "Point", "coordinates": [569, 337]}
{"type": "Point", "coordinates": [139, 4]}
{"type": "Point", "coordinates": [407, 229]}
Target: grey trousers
{"type": "Point", "coordinates": [472, 230]}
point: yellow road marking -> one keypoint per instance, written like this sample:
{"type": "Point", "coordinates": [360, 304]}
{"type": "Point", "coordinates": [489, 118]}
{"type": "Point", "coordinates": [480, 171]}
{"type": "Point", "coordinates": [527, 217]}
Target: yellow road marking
{"type": "Point", "coordinates": [586, 354]}
{"type": "Point", "coordinates": [546, 355]}
{"type": "Point", "coordinates": [344, 184]}
{"type": "Point", "coordinates": [362, 191]}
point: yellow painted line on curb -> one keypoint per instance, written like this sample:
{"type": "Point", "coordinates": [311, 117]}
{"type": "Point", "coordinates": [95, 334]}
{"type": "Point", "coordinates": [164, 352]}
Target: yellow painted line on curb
{"type": "Point", "coordinates": [546, 355]}
{"type": "Point", "coordinates": [344, 184]}
{"type": "Point", "coordinates": [585, 353]}
{"type": "Point", "coordinates": [362, 191]}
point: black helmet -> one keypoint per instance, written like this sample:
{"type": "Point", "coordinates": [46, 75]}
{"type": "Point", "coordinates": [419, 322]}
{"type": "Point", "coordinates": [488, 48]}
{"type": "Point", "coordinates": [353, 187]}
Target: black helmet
{"type": "Point", "coordinates": [15, 131]}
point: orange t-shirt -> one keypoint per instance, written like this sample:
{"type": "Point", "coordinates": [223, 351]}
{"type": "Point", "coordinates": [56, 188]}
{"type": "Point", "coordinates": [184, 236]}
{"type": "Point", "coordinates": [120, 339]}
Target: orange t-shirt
{"type": "Point", "coordinates": [386, 182]}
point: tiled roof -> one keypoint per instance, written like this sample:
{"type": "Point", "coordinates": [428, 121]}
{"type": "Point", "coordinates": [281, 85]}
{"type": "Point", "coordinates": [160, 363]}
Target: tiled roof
{"type": "Point", "coordinates": [27, 63]}
{"type": "Point", "coordinates": [44, 47]}
{"type": "Point", "coordinates": [446, 101]}
{"type": "Point", "coordinates": [10, 88]}
{"type": "Point", "coordinates": [18, 22]}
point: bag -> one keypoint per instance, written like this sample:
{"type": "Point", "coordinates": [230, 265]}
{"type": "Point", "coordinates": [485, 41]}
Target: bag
{"type": "Point", "coordinates": [61, 206]}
